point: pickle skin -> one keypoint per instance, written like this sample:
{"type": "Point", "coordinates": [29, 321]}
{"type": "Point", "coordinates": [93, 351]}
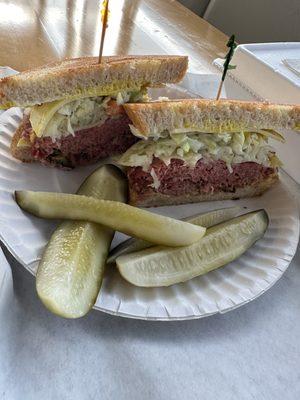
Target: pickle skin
{"type": "Point", "coordinates": [57, 282]}
{"type": "Point", "coordinates": [70, 272]}
{"type": "Point", "coordinates": [204, 219]}
{"type": "Point", "coordinates": [161, 266]}
{"type": "Point", "coordinates": [121, 217]}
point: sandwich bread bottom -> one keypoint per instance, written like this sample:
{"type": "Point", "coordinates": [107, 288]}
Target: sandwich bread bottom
{"type": "Point", "coordinates": [84, 147]}
{"type": "Point", "coordinates": [177, 183]}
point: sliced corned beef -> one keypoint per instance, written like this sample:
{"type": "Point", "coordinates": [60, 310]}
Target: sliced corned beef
{"type": "Point", "coordinates": [85, 146]}
{"type": "Point", "coordinates": [178, 179]}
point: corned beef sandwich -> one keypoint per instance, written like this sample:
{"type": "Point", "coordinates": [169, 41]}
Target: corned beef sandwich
{"type": "Point", "coordinates": [197, 150]}
{"type": "Point", "coordinates": [74, 109]}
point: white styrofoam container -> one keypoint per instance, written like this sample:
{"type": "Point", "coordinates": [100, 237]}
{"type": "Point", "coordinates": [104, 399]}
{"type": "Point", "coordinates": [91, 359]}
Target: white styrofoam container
{"type": "Point", "coordinates": [260, 67]}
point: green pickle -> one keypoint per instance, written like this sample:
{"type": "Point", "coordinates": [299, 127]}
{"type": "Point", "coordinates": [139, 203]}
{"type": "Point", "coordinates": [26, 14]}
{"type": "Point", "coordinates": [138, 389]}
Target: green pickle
{"type": "Point", "coordinates": [121, 217]}
{"type": "Point", "coordinates": [70, 272]}
{"type": "Point", "coordinates": [205, 219]}
{"type": "Point", "coordinates": [223, 243]}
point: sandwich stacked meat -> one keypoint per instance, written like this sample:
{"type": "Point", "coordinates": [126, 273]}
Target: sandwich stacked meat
{"type": "Point", "coordinates": [198, 150]}
{"type": "Point", "coordinates": [74, 109]}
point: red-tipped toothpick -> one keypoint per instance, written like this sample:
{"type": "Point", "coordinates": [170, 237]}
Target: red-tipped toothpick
{"type": "Point", "coordinates": [104, 19]}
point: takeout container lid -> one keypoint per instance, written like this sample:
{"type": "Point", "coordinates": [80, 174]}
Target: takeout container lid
{"type": "Point", "coordinates": [260, 67]}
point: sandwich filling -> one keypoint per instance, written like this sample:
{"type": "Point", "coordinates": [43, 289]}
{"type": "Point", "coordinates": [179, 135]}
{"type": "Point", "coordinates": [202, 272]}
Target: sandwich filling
{"type": "Point", "coordinates": [68, 133]}
{"type": "Point", "coordinates": [194, 163]}
{"type": "Point", "coordinates": [64, 117]}
{"type": "Point", "coordinates": [232, 148]}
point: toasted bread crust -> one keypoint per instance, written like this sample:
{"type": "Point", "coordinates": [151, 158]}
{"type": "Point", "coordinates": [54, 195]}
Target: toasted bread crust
{"type": "Point", "coordinates": [211, 115]}
{"type": "Point", "coordinates": [158, 199]}
{"type": "Point", "coordinates": [73, 77]}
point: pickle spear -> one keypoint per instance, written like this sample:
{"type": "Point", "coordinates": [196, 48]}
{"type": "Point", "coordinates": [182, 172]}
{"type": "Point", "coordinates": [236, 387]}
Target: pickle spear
{"type": "Point", "coordinates": [223, 243]}
{"type": "Point", "coordinates": [207, 220]}
{"type": "Point", "coordinates": [70, 272]}
{"type": "Point", "coordinates": [121, 217]}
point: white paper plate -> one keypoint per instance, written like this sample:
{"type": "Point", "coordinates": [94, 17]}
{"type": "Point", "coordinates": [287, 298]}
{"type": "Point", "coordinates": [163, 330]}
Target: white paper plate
{"type": "Point", "coordinates": [219, 291]}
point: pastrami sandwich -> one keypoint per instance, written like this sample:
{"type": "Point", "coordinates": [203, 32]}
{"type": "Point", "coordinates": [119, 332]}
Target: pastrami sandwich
{"type": "Point", "coordinates": [74, 109]}
{"type": "Point", "coordinates": [197, 150]}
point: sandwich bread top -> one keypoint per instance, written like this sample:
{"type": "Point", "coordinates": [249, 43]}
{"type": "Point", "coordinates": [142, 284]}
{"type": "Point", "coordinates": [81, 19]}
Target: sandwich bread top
{"type": "Point", "coordinates": [214, 116]}
{"type": "Point", "coordinates": [77, 77]}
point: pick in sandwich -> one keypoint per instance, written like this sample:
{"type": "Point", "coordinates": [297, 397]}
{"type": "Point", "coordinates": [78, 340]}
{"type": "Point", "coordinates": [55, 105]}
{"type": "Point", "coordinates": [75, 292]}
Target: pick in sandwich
{"type": "Point", "coordinates": [74, 109]}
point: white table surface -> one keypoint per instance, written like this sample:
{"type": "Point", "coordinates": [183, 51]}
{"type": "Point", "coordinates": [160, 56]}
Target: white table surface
{"type": "Point", "coordinates": [250, 353]}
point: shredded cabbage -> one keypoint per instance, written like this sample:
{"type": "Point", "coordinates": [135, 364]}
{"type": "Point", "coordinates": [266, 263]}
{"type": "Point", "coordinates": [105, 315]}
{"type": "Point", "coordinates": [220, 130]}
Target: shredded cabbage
{"type": "Point", "coordinates": [156, 181]}
{"type": "Point", "coordinates": [86, 112]}
{"type": "Point", "coordinates": [230, 147]}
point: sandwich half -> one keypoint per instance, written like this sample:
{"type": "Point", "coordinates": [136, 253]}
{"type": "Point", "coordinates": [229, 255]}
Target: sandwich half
{"type": "Point", "coordinates": [74, 109]}
{"type": "Point", "coordinates": [198, 150]}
